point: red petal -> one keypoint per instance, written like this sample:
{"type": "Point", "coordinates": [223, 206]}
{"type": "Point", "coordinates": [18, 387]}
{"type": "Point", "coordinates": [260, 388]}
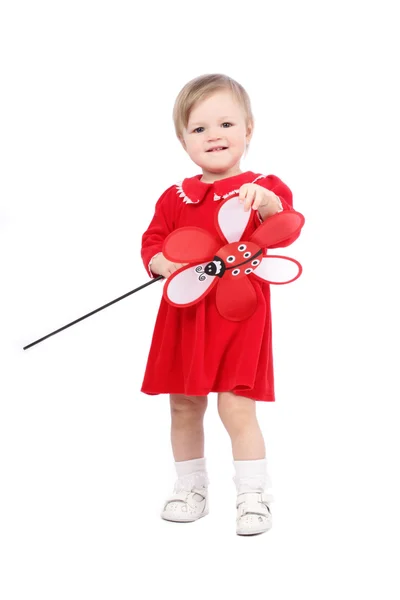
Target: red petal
{"type": "Point", "coordinates": [190, 244]}
{"type": "Point", "coordinates": [236, 298]}
{"type": "Point", "coordinates": [278, 228]}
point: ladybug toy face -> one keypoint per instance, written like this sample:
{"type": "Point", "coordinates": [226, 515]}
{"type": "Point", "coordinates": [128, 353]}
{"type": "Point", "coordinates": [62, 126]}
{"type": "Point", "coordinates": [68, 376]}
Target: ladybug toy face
{"type": "Point", "coordinates": [233, 260]}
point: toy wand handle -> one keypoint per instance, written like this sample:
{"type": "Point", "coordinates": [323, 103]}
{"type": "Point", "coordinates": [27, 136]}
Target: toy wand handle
{"type": "Point", "coordinates": [95, 311]}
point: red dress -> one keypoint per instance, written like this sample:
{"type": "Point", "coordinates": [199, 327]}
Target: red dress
{"type": "Point", "coordinates": [194, 350]}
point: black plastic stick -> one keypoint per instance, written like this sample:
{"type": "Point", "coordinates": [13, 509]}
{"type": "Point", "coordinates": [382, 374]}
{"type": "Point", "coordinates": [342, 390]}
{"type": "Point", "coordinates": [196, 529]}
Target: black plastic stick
{"type": "Point", "coordinates": [95, 311]}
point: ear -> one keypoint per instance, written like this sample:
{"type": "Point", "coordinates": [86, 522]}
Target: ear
{"type": "Point", "coordinates": [182, 141]}
{"type": "Point", "coordinates": [249, 134]}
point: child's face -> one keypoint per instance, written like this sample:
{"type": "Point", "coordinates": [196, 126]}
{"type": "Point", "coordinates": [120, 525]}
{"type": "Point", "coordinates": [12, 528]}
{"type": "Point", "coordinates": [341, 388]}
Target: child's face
{"type": "Point", "coordinates": [217, 121]}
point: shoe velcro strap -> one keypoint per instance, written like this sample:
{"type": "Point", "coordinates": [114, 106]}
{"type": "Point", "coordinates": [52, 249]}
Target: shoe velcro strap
{"type": "Point", "coordinates": [254, 508]}
{"type": "Point", "coordinates": [267, 497]}
{"type": "Point", "coordinates": [183, 496]}
{"type": "Point", "coordinates": [254, 502]}
{"type": "Point", "coordinates": [179, 497]}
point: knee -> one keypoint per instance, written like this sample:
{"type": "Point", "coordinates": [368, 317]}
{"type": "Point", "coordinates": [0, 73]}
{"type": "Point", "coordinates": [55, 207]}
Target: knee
{"type": "Point", "coordinates": [188, 405]}
{"type": "Point", "coordinates": [235, 411]}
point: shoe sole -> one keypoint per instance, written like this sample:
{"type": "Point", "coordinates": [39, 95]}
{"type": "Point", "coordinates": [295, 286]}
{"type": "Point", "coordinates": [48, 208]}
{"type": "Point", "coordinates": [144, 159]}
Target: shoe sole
{"type": "Point", "coordinates": [185, 520]}
{"type": "Point", "coordinates": [254, 532]}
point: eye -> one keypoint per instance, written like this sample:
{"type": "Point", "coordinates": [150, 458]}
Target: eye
{"type": "Point", "coordinates": [197, 128]}
{"type": "Point", "coordinates": [242, 247]}
{"type": "Point", "coordinates": [235, 272]}
{"type": "Point", "coordinates": [248, 271]}
{"type": "Point", "coordinates": [255, 262]}
{"type": "Point", "coordinates": [230, 259]}
{"type": "Point", "coordinates": [247, 255]}
{"type": "Point", "coordinates": [230, 124]}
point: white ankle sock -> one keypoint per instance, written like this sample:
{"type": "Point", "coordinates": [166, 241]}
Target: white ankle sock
{"type": "Point", "coordinates": [191, 473]}
{"type": "Point", "coordinates": [251, 475]}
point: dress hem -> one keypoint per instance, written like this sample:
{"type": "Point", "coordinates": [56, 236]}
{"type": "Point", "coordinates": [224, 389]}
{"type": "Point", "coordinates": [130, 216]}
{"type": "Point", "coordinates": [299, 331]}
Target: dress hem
{"type": "Point", "coordinates": [268, 398]}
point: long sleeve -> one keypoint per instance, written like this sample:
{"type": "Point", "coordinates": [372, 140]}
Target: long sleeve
{"type": "Point", "coordinates": [276, 185]}
{"type": "Point", "coordinates": [160, 227]}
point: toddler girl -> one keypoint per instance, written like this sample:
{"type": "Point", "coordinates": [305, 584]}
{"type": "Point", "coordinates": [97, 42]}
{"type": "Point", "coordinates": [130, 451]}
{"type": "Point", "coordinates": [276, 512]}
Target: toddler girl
{"type": "Point", "coordinates": [194, 350]}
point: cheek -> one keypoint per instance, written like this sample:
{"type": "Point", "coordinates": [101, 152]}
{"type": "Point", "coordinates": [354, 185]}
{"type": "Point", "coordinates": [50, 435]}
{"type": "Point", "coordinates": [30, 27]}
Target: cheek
{"type": "Point", "coordinates": [238, 139]}
{"type": "Point", "coordinates": [195, 146]}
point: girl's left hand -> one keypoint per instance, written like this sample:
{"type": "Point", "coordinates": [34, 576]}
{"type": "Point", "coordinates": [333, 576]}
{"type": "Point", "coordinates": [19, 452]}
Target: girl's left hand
{"type": "Point", "coordinates": [257, 197]}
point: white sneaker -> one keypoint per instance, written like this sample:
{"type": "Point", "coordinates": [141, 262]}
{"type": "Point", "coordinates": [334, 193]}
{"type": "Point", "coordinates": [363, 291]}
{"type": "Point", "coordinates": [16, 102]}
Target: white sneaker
{"type": "Point", "coordinates": [253, 513]}
{"type": "Point", "coordinates": [186, 506]}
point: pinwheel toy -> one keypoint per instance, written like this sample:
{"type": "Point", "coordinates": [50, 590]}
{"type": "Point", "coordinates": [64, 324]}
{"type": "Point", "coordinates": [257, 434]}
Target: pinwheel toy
{"type": "Point", "coordinates": [223, 260]}
{"type": "Point", "coordinates": [227, 261]}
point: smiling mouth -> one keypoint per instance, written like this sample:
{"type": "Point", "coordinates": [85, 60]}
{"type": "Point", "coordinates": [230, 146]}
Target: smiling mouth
{"type": "Point", "coordinates": [218, 149]}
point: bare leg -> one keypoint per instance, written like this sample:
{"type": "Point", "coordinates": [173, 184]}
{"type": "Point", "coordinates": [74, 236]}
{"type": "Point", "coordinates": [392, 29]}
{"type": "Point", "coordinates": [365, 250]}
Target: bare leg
{"type": "Point", "coordinates": [187, 431]}
{"type": "Point", "coordinates": [238, 415]}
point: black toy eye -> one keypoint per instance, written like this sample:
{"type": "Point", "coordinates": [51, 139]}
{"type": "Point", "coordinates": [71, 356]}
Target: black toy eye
{"type": "Point", "coordinates": [248, 271]}
{"type": "Point", "coordinates": [235, 272]}
{"type": "Point", "coordinates": [230, 259]}
{"type": "Point", "coordinates": [247, 254]}
{"type": "Point", "coordinates": [255, 262]}
{"type": "Point", "coordinates": [242, 247]}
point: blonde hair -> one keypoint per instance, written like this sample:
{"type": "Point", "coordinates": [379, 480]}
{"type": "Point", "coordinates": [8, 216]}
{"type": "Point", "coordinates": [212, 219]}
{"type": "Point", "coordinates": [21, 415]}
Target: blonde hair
{"type": "Point", "coordinates": [201, 88]}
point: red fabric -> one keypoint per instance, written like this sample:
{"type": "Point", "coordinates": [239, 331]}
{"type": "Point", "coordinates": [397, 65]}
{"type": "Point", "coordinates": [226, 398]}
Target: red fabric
{"type": "Point", "coordinates": [195, 351]}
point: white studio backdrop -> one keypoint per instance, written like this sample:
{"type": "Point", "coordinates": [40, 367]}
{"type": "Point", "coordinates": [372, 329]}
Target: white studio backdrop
{"type": "Point", "coordinates": [87, 147]}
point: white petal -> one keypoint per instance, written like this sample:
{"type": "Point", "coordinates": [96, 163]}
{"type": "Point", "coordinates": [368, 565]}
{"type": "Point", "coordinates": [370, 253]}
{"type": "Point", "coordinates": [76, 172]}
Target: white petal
{"type": "Point", "coordinates": [233, 219]}
{"type": "Point", "coordinates": [278, 269]}
{"type": "Point", "coordinates": [185, 287]}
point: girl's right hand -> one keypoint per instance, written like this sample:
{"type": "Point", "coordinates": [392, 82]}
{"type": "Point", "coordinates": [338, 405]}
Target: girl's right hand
{"type": "Point", "coordinates": [162, 266]}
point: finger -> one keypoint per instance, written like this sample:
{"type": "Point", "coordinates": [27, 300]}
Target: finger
{"type": "Point", "coordinates": [242, 193]}
{"type": "Point", "coordinates": [266, 202]}
{"type": "Point", "coordinates": [258, 200]}
{"type": "Point", "coordinates": [177, 266]}
{"type": "Point", "coordinates": [249, 200]}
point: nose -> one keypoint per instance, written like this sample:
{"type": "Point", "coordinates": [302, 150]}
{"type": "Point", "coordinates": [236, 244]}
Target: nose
{"type": "Point", "coordinates": [214, 135]}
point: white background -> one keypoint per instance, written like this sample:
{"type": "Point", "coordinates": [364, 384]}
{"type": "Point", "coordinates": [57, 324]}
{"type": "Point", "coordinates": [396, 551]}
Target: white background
{"type": "Point", "coordinates": [87, 148]}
